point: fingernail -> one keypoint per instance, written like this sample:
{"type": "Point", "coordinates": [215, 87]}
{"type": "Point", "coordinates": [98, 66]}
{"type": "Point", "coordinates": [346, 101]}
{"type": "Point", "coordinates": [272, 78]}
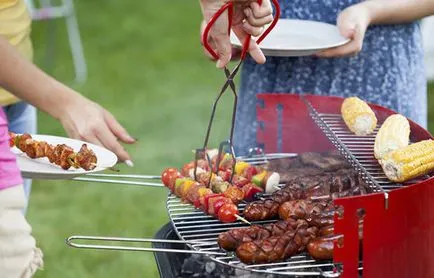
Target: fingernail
{"type": "Point", "coordinates": [129, 163]}
{"type": "Point", "coordinates": [135, 138]}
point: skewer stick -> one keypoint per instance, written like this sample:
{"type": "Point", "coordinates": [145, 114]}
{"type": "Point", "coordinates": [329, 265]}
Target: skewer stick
{"type": "Point", "coordinates": [276, 187]}
{"type": "Point", "coordinates": [242, 219]}
{"type": "Point", "coordinates": [108, 168]}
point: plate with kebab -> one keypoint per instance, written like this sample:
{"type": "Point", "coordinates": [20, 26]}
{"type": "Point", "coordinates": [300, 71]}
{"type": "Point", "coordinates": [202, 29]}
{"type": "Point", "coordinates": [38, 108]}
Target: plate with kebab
{"type": "Point", "coordinates": [53, 157]}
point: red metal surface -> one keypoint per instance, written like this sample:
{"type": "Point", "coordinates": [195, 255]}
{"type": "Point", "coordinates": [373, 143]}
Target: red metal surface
{"type": "Point", "coordinates": [398, 241]}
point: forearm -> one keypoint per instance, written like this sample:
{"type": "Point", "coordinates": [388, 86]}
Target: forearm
{"type": "Point", "coordinates": [26, 81]}
{"type": "Point", "coordinates": [397, 11]}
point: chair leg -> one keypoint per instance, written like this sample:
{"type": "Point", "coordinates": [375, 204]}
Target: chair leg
{"type": "Point", "coordinates": [75, 42]}
{"type": "Point", "coordinates": [50, 51]}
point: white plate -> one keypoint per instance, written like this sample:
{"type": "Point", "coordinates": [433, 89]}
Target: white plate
{"type": "Point", "coordinates": [293, 37]}
{"type": "Point", "coordinates": [41, 168]}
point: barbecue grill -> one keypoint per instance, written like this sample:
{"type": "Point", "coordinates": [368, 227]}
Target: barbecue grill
{"type": "Point", "coordinates": [398, 228]}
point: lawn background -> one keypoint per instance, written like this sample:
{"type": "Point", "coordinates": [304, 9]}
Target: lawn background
{"type": "Point", "coordinates": [145, 66]}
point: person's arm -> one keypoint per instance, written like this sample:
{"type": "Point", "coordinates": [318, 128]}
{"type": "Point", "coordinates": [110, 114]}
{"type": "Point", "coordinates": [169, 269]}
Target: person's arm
{"type": "Point", "coordinates": [398, 11]}
{"type": "Point", "coordinates": [81, 118]}
{"type": "Point", "coordinates": [354, 20]}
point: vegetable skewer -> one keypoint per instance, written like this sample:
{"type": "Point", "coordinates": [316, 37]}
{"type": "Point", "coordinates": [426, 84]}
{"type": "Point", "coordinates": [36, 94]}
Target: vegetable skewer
{"type": "Point", "coordinates": [215, 204]}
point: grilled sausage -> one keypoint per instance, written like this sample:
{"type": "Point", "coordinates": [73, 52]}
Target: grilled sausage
{"type": "Point", "coordinates": [321, 220]}
{"type": "Point", "coordinates": [301, 209]}
{"type": "Point", "coordinates": [322, 248]}
{"type": "Point", "coordinates": [275, 249]}
{"type": "Point", "coordinates": [231, 239]}
{"type": "Point", "coordinates": [326, 231]}
{"type": "Point", "coordinates": [269, 208]}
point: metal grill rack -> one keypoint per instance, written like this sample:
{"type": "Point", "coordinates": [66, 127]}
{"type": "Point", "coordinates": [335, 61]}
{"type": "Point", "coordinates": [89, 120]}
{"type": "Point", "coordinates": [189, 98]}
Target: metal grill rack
{"type": "Point", "coordinates": [358, 150]}
{"type": "Point", "coordinates": [193, 225]}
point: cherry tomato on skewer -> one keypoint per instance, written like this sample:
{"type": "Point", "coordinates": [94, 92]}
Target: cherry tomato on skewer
{"type": "Point", "coordinates": [227, 213]}
{"type": "Point", "coordinates": [169, 176]}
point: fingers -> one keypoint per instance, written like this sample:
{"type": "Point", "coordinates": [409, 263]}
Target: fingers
{"type": "Point", "coordinates": [117, 129]}
{"type": "Point", "coordinates": [109, 140]}
{"type": "Point", "coordinates": [353, 47]}
{"type": "Point", "coordinates": [257, 16]}
{"type": "Point", "coordinates": [352, 24]}
{"type": "Point", "coordinates": [261, 11]}
{"type": "Point", "coordinates": [220, 37]}
{"type": "Point", "coordinates": [254, 49]}
{"type": "Point", "coordinates": [210, 42]}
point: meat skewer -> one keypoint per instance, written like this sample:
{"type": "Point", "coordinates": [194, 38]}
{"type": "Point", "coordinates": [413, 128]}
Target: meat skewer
{"type": "Point", "coordinates": [61, 155]}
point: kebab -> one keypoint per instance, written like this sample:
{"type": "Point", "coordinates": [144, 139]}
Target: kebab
{"type": "Point", "coordinates": [245, 172]}
{"type": "Point", "coordinates": [61, 154]}
{"type": "Point", "coordinates": [215, 204]}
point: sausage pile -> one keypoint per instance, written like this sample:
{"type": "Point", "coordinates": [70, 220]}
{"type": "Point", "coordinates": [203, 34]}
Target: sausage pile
{"type": "Point", "coordinates": [305, 207]}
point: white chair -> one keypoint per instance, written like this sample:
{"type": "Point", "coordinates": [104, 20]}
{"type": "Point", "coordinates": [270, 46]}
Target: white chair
{"type": "Point", "coordinates": [46, 10]}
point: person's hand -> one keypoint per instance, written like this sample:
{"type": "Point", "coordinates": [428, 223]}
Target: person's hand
{"type": "Point", "coordinates": [352, 23]}
{"type": "Point", "coordinates": [249, 18]}
{"type": "Point", "coordinates": [88, 121]}
{"type": "Point", "coordinates": [235, 51]}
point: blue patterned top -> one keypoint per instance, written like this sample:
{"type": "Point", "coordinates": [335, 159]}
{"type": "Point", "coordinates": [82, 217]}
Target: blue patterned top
{"type": "Point", "coordinates": [389, 70]}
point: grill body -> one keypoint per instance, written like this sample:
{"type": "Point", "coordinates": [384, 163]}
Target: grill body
{"type": "Point", "coordinates": [398, 239]}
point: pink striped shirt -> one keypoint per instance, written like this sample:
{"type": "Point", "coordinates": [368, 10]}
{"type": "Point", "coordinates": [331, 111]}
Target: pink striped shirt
{"type": "Point", "coordinates": [9, 172]}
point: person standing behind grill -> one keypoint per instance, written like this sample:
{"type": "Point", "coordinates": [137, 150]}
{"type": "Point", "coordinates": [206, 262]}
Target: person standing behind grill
{"type": "Point", "coordinates": [382, 64]}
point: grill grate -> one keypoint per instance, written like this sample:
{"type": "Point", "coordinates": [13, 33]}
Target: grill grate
{"type": "Point", "coordinates": [358, 150]}
{"type": "Point", "coordinates": [194, 225]}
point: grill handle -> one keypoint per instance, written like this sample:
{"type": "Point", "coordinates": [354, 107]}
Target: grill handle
{"type": "Point", "coordinates": [70, 241]}
{"type": "Point", "coordinates": [149, 180]}
{"type": "Point", "coordinates": [121, 179]}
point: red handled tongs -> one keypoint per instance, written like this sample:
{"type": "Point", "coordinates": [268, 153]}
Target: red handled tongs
{"type": "Point", "coordinates": [202, 152]}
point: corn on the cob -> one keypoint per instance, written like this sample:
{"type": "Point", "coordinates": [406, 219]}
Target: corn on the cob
{"type": "Point", "coordinates": [409, 162]}
{"type": "Point", "coordinates": [358, 116]}
{"type": "Point", "coordinates": [394, 134]}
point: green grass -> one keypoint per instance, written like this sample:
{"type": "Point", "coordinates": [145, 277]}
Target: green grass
{"type": "Point", "coordinates": [146, 67]}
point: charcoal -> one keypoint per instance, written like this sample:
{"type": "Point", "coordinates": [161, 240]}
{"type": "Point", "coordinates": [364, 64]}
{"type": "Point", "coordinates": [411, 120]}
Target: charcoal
{"type": "Point", "coordinates": [210, 267]}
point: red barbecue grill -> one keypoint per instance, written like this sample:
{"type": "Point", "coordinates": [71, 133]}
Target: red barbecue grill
{"type": "Point", "coordinates": [398, 226]}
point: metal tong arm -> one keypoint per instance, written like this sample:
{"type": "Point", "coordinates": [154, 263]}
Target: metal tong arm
{"type": "Point", "coordinates": [70, 242]}
{"type": "Point", "coordinates": [120, 179]}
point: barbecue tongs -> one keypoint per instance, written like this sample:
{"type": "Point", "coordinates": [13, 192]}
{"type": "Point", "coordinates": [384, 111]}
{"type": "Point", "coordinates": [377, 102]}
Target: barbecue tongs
{"type": "Point", "coordinates": [202, 152]}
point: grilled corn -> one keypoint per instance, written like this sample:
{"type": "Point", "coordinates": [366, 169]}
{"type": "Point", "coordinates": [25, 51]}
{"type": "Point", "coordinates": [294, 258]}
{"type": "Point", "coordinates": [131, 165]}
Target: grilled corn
{"type": "Point", "coordinates": [358, 116]}
{"type": "Point", "coordinates": [409, 162]}
{"type": "Point", "coordinates": [394, 134]}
